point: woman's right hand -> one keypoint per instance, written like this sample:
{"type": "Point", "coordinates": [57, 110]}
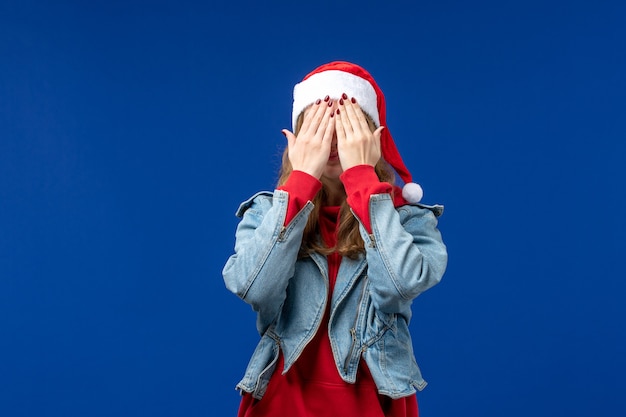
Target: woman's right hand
{"type": "Point", "coordinates": [309, 151]}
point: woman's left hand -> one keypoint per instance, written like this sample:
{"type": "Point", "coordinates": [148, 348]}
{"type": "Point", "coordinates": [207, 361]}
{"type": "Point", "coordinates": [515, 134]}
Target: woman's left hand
{"type": "Point", "coordinates": [356, 143]}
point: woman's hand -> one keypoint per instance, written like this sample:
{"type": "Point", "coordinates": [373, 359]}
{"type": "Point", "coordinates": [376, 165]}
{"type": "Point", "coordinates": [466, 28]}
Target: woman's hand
{"type": "Point", "coordinates": [356, 143]}
{"type": "Point", "coordinates": [309, 151]}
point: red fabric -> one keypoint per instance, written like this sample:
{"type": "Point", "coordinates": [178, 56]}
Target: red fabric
{"type": "Point", "coordinates": [302, 188]}
{"type": "Point", "coordinates": [313, 386]}
{"type": "Point", "coordinates": [360, 183]}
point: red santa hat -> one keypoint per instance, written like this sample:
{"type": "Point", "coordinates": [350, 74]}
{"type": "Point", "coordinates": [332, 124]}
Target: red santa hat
{"type": "Point", "coordinates": [340, 77]}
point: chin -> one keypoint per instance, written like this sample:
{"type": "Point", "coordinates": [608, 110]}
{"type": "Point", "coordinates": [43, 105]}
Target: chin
{"type": "Point", "coordinates": [333, 172]}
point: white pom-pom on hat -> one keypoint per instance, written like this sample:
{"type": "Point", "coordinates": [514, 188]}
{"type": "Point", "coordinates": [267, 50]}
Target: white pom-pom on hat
{"type": "Point", "coordinates": [412, 192]}
{"type": "Point", "coordinates": [340, 77]}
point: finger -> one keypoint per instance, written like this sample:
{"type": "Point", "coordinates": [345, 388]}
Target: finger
{"type": "Point", "coordinates": [356, 115]}
{"type": "Point", "coordinates": [345, 118]}
{"type": "Point", "coordinates": [378, 132]}
{"type": "Point", "coordinates": [325, 122]}
{"type": "Point", "coordinates": [363, 120]}
{"type": "Point", "coordinates": [323, 110]}
{"type": "Point", "coordinates": [340, 127]}
{"type": "Point", "coordinates": [306, 119]}
{"type": "Point", "coordinates": [309, 124]}
{"type": "Point", "coordinates": [328, 131]}
{"type": "Point", "coordinates": [291, 138]}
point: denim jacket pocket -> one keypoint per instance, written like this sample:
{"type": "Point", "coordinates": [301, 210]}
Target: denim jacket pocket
{"type": "Point", "coordinates": [261, 366]}
{"type": "Point", "coordinates": [397, 360]}
{"type": "Point", "coordinates": [378, 324]}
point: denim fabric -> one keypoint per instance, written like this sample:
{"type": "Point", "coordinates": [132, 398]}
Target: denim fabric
{"type": "Point", "coordinates": [371, 303]}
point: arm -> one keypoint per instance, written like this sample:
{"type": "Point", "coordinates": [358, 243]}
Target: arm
{"type": "Point", "coordinates": [265, 254]}
{"type": "Point", "coordinates": [269, 236]}
{"type": "Point", "coordinates": [301, 188]}
{"type": "Point", "coordinates": [404, 250]}
{"type": "Point", "coordinates": [405, 253]}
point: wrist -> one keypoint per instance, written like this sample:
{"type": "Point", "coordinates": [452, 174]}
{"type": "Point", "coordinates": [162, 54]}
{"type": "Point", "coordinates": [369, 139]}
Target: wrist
{"type": "Point", "coordinates": [362, 173]}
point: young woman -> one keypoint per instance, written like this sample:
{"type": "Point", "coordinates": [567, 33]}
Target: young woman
{"type": "Point", "coordinates": [332, 260]}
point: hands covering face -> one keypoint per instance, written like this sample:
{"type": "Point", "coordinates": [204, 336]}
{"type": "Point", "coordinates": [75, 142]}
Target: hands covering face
{"type": "Point", "coordinates": [356, 143]}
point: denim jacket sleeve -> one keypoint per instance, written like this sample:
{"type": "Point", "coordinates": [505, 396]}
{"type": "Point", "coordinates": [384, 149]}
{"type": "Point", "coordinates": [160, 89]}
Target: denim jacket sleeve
{"type": "Point", "coordinates": [405, 253]}
{"type": "Point", "coordinates": [265, 254]}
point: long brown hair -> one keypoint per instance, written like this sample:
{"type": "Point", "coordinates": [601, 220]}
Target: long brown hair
{"type": "Point", "coordinates": [349, 241]}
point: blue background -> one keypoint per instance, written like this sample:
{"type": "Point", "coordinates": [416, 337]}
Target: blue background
{"type": "Point", "coordinates": [130, 131]}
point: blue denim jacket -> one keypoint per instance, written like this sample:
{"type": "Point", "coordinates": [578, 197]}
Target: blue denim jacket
{"type": "Point", "coordinates": [371, 302]}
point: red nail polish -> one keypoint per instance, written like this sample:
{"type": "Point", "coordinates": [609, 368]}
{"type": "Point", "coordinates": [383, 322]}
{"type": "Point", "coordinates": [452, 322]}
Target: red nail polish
{"type": "Point", "coordinates": [318, 101]}
{"type": "Point", "coordinates": [330, 103]}
{"type": "Point", "coordinates": [344, 96]}
{"type": "Point", "coordinates": [341, 101]}
{"type": "Point", "coordinates": [337, 111]}
{"type": "Point", "coordinates": [353, 100]}
{"type": "Point", "coordinates": [332, 113]}
{"type": "Point", "coordinates": [326, 98]}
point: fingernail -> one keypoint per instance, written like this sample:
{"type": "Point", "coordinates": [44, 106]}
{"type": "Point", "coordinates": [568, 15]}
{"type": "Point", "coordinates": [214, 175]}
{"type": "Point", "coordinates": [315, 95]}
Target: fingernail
{"type": "Point", "coordinates": [341, 101]}
{"type": "Point", "coordinates": [344, 96]}
{"type": "Point", "coordinates": [353, 100]}
{"type": "Point", "coordinates": [332, 113]}
{"type": "Point", "coordinates": [326, 98]}
{"type": "Point", "coordinates": [337, 111]}
{"type": "Point", "coordinates": [330, 103]}
{"type": "Point", "coordinates": [318, 101]}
